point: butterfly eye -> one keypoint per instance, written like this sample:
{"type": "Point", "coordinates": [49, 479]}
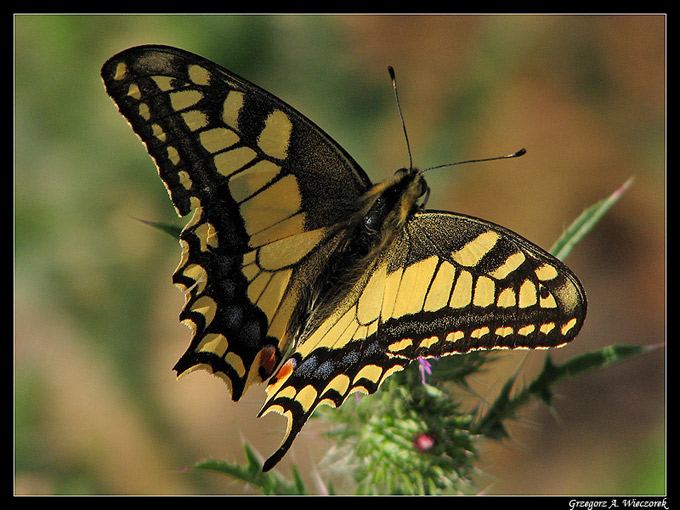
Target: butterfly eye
{"type": "Point", "coordinates": [375, 216]}
{"type": "Point", "coordinates": [401, 172]}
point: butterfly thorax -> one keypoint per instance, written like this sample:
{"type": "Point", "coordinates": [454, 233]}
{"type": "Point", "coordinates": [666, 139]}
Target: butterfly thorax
{"type": "Point", "coordinates": [384, 210]}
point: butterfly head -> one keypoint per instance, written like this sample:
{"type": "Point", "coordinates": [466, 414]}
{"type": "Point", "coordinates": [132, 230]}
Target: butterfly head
{"type": "Point", "coordinates": [415, 188]}
{"type": "Point", "coordinates": [391, 202]}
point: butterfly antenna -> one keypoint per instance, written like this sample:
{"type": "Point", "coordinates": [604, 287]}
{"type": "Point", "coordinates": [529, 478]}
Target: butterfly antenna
{"type": "Point", "coordinates": [390, 70]}
{"type": "Point", "coordinates": [517, 154]}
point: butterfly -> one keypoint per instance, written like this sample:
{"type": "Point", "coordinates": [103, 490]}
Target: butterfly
{"type": "Point", "coordinates": [300, 272]}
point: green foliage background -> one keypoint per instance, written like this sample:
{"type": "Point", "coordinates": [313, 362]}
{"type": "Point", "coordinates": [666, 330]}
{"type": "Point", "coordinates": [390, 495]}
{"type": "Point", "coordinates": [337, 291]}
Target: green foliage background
{"type": "Point", "coordinates": [97, 407]}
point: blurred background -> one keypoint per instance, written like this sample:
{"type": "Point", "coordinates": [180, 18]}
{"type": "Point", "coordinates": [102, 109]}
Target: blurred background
{"type": "Point", "coordinates": [97, 408]}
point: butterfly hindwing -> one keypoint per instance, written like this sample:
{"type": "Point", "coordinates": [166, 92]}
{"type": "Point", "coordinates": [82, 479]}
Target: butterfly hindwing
{"type": "Point", "coordinates": [263, 183]}
{"type": "Point", "coordinates": [449, 284]}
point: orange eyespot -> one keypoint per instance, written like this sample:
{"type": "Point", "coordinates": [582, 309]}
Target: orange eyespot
{"type": "Point", "coordinates": [285, 370]}
{"type": "Point", "coordinates": [268, 361]}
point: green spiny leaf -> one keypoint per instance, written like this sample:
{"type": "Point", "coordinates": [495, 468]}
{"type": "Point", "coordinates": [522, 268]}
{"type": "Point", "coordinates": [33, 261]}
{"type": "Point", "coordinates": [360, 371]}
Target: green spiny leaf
{"type": "Point", "coordinates": [251, 473]}
{"type": "Point", "coordinates": [491, 424]}
{"type": "Point", "coordinates": [585, 223]}
{"type": "Point", "coordinates": [173, 230]}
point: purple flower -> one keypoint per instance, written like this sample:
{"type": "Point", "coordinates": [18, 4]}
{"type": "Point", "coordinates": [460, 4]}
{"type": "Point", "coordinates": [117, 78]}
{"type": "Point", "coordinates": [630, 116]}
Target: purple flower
{"type": "Point", "coordinates": [425, 368]}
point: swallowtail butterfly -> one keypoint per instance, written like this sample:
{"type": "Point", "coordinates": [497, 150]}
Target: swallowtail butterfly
{"type": "Point", "coordinates": [298, 270]}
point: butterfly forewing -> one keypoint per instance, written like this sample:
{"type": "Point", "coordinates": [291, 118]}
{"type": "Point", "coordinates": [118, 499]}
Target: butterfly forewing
{"type": "Point", "coordinates": [488, 288]}
{"type": "Point", "coordinates": [263, 182]}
